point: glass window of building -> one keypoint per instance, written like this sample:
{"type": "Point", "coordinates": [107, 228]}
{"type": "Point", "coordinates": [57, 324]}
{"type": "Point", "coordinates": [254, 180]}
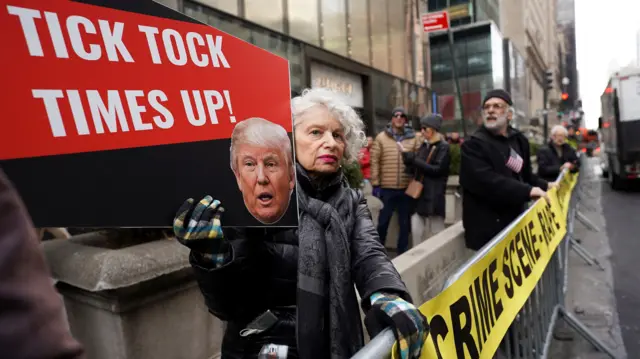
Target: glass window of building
{"type": "Point", "coordinates": [230, 6]}
{"type": "Point", "coordinates": [303, 20]}
{"type": "Point", "coordinates": [379, 34]}
{"type": "Point", "coordinates": [219, 20]}
{"type": "Point", "coordinates": [359, 25]}
{"type": "Point", "coordinates": [334, 26]}
{"type": "Point", "coordinates": [268, 13]}
{"type": "Point", "coordinates": [397, 37]}
{"type": "Point", "coordinates": [442, 4]}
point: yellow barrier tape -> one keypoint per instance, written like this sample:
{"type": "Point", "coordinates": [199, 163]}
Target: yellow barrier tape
{"type": "Point", "coordinates": [470, 318]}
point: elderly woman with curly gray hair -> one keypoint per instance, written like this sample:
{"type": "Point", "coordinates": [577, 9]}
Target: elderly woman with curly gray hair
{"type": "Point", "coordinates": [293, 291]}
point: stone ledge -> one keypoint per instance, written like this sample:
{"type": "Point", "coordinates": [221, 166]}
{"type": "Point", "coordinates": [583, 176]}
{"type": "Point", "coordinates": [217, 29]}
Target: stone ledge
{"type": "Point", "coordinates": [425, 267]}
{"type": "Point", "coordinates": [93, 268]}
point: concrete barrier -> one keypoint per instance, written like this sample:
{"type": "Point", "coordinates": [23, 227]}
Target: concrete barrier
{"type": "Point", "coordinates": [425, 267]}
{"type": "Point", "coordinates": [141, 301]}
{"type": "Point", "coordinates": [453, 213]}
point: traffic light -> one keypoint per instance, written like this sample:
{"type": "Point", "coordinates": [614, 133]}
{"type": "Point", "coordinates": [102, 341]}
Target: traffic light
{"type": "Point", "coordinates": [565, 96]}
{"type": "Point", "coordinates": [548, 80]}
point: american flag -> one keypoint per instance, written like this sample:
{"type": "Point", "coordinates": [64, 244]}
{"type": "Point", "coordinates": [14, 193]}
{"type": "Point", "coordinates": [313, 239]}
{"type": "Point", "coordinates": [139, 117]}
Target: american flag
{"type": "Point", "coordinates": [515, 162]}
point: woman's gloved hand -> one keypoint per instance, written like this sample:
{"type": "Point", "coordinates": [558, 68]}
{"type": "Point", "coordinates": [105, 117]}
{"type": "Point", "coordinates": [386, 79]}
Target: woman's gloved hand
{"type": "Point", "coordinates": [409, 325]}
{"type": "Point", "coordinates": [198, 227]}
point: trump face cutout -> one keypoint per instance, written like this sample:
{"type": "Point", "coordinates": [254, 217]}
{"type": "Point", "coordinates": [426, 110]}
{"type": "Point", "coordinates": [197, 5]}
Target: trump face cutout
{"type": "Point", "coordinates": [262, 164]}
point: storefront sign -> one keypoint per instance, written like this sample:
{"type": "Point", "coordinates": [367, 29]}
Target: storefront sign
{"type": "Point", "coordinates": [348, 85]}
{"type": "Point", "coordinates": [435, 21]}
{"type": "Point", "coordinates": [115, 112]}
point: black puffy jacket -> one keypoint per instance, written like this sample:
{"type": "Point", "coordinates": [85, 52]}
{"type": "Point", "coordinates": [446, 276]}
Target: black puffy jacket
{"type": "Point", "coordinates": [493, 195]}
{"type": "Point", "coordinates": [434, 175]}
{"type": "Point", "coordinates": [549, 163]}
{"type": "Point", "coordinates": [262, 274]}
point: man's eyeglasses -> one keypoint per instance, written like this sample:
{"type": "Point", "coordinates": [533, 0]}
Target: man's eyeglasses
{"type": "Point", "coordinates": [495, 106]}
{"type": "Point", "coordinates": [400, 115]}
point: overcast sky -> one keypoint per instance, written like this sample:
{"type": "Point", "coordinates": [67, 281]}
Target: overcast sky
{"type": "Point", "coordinates": [606, 40]}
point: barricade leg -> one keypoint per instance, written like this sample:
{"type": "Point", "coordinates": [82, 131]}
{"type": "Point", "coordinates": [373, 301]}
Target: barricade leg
{"type": "Point", "coordinates": [584, 220]}
{"type": "Point", "coordinates": [584, 254]}
{"type": "Point", "coordinates": [585, 332]}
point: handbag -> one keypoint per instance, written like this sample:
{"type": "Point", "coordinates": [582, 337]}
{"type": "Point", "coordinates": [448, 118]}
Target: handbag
{"type": "Point", "coordinates": [414, 190]}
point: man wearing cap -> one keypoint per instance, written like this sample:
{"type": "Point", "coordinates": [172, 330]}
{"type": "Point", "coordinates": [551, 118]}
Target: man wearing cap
{"type": "Point", "coordinates": [430, 165]}
{"type": "Point", "coordinates": [388, 176]}
{"type": "Point", "coordinates": [495, 173]}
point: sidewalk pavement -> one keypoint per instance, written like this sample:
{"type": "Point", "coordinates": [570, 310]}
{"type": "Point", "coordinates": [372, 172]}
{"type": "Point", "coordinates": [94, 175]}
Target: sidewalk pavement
{"type": "Point", "coordinates": [590, 294]}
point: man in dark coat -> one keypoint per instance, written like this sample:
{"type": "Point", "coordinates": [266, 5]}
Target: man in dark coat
{"type": "Point", "coordinates": [430, 165]}
{"type": "Point", "coordinates": [32, 322]}
{"type": "Point", "coordinates": [556, 155]}
{"type": "Point", "coordinates": [495, 173]}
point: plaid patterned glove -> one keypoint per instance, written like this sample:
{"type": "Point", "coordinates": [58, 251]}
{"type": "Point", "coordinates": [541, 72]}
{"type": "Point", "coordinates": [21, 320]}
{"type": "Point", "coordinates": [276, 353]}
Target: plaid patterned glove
{"type": "Point", "coordinates": [199, 229]}
{"type": "Point", "coordinates": [409, 325]}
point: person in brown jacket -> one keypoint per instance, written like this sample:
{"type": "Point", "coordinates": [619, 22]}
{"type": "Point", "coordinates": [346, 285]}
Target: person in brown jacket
{"type": "Point", "coordinates": [32, 321]}
{"type": "Point", "coordinates": [388, 176]}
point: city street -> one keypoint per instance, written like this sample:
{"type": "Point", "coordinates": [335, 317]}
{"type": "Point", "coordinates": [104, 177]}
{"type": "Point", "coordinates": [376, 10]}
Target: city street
{"type": "Point", "coordinates": [591, 292]}
{"type": "Point", "coordinates": [622, 215]}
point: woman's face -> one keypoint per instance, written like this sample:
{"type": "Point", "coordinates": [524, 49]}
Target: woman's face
{"type": "Point", "coordinates": [319, 141]}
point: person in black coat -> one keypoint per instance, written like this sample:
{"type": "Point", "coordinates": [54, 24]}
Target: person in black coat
{"type": "Point", "coordinates": [556, 155]}
{"type": "Point", "coordinates": [495, 173]}
{"type": "Point", "coordinates": [430, 165]}
{"type": "Point", "coordinates": [292, 290]}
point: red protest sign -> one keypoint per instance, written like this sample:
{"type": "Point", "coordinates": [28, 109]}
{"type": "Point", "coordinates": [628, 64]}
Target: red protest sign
{"type": "Point", "coordinates": [85, 78]}
{"type": "Point", "coordinates": [435, 21]}
{"type": "Point", "coordinates": [115, 113]}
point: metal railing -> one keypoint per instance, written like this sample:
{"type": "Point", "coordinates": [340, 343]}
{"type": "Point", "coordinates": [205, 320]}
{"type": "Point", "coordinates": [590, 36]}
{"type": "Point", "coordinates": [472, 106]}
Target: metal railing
{"type": "Point", "coordinates": [530, 334]}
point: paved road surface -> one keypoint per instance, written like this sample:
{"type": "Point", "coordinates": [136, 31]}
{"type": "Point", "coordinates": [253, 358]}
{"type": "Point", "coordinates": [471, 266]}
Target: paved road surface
{"type": "Point", "coordinates": [622, 215]}
{"type": "Point", "coordinates": [591, 292]}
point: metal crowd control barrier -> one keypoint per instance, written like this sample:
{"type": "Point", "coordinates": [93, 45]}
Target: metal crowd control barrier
{"type": "Point", "coordinates": [531, 333]}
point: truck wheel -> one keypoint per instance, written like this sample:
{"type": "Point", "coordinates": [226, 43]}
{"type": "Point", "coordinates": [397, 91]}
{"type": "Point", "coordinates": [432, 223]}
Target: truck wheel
{"type": "Point", "coordinates": [615, 181]}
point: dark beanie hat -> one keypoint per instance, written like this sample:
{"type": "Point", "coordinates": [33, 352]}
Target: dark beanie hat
{"type": "Point", "coordinates": [434, 121]}
{"type": "Point", "coordinates": [399, 109]}
{"type": "Point", "coordinates": [498, 93]}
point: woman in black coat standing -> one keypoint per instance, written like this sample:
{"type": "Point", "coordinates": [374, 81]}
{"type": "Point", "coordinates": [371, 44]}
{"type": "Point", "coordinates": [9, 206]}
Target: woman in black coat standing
{"type": "Point", "coordinates": [292, 290]}
{"type": "Point", "coordinates": [430, 165]}
{"type": "Point", "coordinates": [556, 155]}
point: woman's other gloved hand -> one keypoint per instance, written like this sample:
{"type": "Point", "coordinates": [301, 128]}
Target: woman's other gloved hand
{"type": "Point", "coordinates": [198, 227]}
{"type": "Point", "coordinates": [408, 324]}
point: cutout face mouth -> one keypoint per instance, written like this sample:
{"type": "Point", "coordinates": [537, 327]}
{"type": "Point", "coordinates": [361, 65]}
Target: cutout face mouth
{"type": "Point", "coordinates": [265, 198]}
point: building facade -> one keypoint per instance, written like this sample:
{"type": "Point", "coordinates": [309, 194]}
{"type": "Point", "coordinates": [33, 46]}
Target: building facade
{"type": "Point", "coordinates": [464, 12]}
{"type": "Point", "coordinates": [370, 51]}
{"type": "Point", "coordinates": [532, 30]}
{"type": "Point", "coordinates": [566, 21]}
{"type": "Point", "coordinates": [479, 58]}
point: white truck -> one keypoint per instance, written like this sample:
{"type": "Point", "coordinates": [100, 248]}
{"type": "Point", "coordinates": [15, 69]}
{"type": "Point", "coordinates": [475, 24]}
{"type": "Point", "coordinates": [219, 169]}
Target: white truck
{"type": "Point", "coordinates": [620, 127]}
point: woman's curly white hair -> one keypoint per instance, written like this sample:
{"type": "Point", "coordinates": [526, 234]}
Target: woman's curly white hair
{"type": "Point", "coordinates": [352, 125]}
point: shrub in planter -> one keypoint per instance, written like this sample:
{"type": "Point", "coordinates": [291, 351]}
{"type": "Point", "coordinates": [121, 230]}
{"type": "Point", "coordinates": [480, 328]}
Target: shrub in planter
{"type": "Point", "coordinates": [454, 153]}
{"type": "Point", "coordinates": [351, 171]}
{"type": "Point", "coordinates": [534, 148]}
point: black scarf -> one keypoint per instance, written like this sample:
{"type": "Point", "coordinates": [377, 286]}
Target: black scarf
{"type": "Point", "coordinates": [328, 317]}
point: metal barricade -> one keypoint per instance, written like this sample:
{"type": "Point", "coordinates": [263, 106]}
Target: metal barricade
{"type": "Point", "coordinates": [530, 334]}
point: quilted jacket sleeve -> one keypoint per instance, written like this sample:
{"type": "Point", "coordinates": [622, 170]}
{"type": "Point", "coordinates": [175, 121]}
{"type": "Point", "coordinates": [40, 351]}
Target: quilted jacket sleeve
{"type": "Point", "coordinates": [370, 265]}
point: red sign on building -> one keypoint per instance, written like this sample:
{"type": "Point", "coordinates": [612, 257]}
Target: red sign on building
{"type": "Point", "coordinates": [435, 21]}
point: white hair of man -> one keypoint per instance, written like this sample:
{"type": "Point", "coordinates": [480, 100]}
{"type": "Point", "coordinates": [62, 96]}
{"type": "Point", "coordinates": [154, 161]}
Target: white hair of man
{"type": "Point", "coordinates": [352, 125]}
{"type": "Point", "coordinates": [559, 129]}
{"type": "Point", "coordinates": [259, 132]}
